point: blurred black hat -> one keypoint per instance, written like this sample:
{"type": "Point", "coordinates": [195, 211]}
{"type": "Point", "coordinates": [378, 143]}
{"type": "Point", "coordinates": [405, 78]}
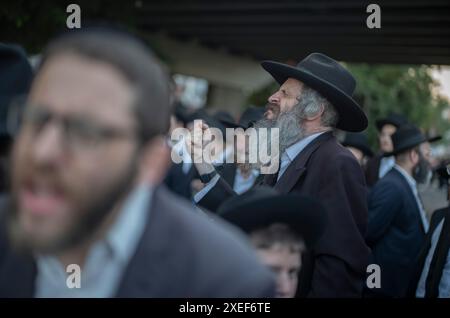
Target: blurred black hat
{"type": "Point", "coordinates": [393, 119]}
{"type": "Point", "coordinates": [201, 114]}
{"type": "Point", "coordinates": [407, 137]}
{"type": "Point", "coordinates": [250, 116]}
{"type": "Point", "coordinates": [226, 119]}
{"type": "Point", "coordinates": [358, 141]}
{"type": "Point", "coordinates": [16, 75]}
{"type": "Point", "coordinates": [262, 206]}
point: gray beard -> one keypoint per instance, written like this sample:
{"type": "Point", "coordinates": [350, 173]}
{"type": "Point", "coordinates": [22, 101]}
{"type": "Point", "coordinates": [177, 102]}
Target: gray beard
{"type": "Point", "coordinates": [290, 129]}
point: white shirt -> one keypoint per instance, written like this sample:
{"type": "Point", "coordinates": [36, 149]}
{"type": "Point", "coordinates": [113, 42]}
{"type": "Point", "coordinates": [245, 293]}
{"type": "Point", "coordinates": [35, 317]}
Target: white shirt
{"type": "Point", "coordinates": [413, 184]}
{"type": "Point", "coordinates": [386, 164]}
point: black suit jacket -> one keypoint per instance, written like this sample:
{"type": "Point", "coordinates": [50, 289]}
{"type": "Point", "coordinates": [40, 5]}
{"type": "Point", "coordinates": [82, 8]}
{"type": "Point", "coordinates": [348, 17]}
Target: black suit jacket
{"type": "Point", "coordinates": [438, 259]}
{"type": "Point", "coordinates": [328, 172]}
{"type": "Point", "coordinates": [179, 182]}
{"type": "Point", "coordinates": [395, 233]}
{"type": "Point", "coordinates": [182, 253]}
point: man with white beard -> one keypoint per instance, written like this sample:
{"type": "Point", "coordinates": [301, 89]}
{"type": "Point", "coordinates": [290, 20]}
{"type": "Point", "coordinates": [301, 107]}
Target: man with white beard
{"type": "Point", "coordinates": [314, 98]}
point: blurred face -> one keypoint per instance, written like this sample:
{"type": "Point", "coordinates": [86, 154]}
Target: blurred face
{"type": "Point", "coordinates": [385, 137]}
{"type": "Point", "coordinates": [425, 149]}
{"type": "Point", "coordinates": [285, 263]}
{"type": "Point", "coordinates": [75, 156]}
{"type": "Point", "coordinates": [422, 171]}
{"type": "Point", "coordinates": [284, 99]}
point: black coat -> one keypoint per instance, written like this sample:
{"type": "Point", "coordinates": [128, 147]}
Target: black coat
{"type": "Point", "coordinates": [328, 172]}
{"type": "Point", "coordinates": [438, 259]}
{"type": "Point", "coordinates": [179, 182]}
{"type": "Point", "coordinates": [176, 257]}
{"type": "Point", "coordinates": [395, 233]}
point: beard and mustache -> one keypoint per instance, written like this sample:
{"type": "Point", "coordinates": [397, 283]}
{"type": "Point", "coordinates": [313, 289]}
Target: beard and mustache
{"type": "Point", "coordinates": [290, 130]}
{"type": "Point", "coordinates": [91, 214]}
{"type": "Point", "coordinates": [422, 172]}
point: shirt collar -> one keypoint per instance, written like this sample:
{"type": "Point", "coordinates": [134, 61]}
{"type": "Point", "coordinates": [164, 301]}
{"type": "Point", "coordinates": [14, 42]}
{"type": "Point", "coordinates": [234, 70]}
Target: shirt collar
{"type": "Point", "coordinates": [125, 233]}
{"type": "Point", "coordinates": [122, 238]}
{"type": "Point", "coordinates": [293, 150]}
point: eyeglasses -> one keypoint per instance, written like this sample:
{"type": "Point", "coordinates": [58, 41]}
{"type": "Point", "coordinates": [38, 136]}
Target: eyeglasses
{"type": "Point", "coordinates": [78, 133]}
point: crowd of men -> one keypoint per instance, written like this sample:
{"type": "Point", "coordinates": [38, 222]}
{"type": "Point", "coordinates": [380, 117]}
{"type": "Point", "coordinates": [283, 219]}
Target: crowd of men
{"type": "Point", "coordinates": [88, 179]}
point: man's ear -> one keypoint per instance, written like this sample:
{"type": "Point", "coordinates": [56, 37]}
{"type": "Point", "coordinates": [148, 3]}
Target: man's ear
{"type": "Point", "coordinates": [414, 156]}
{"type": "Point", "coordinates": [154, 161]}
{"type": "Point", "coordinates": [318, 115]}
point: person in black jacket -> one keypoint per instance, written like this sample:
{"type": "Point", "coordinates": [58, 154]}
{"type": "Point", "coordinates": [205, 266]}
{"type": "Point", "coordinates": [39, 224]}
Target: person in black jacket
{"type": "Point", "coordinates": [397, 218]}
{"type": "Point", "coordinates": [314, 98]}
{"type": "Point", "coordinates": [379, 165]}
{"type": "Point", "coordinates": [432, 277]}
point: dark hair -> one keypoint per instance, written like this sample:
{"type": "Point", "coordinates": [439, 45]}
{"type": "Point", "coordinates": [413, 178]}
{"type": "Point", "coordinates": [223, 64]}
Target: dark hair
{"type": "Point", "coordinates": [134, 60]}
{"type": "Point", "coordinates": [277, 233]}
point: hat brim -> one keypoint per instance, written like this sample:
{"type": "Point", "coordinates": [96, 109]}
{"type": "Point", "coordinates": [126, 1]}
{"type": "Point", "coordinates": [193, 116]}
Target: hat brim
{"type": "Point", "coordinates": [304, 215]}
{"type": "Point", "coordinates": [434, 139]}
{"type": "Point", "coordinates": [366, 150]}
{"type": "Point", "coordinates": [409, 144]}
{"type": "Point", "coordinates": [380, 123]}
{"type": "Point", "coordinates": [351, 116]}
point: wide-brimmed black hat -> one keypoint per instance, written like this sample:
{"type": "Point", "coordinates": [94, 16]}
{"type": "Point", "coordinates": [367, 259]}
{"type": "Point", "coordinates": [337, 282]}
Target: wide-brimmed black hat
{"type": "Point", "coordinates": [250, 116]}
{"type": "Point", "coordinates": [393, 119]}
{"type": "Point", "coordinates": [262, 206]}
{"type": "Point", "coordinates": [226, 119]}
{"type": "Point", "coordinates": [201, 114]}
{"type": "Point", "coordinates": [15, 79]}
{"type": "Point", "coordinates": [405, 138]}
{"type": "Point", "coordinates": [331, 80]}
{"type": "Point", "coordinates": [358, 141]}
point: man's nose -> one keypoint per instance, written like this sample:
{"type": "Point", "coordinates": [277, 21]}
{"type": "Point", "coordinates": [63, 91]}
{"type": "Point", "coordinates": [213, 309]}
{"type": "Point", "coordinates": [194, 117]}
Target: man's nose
{"type": "Point", "coordinates": [48, 146]}
{"type": "Point", "coordinates": [274, 99]}
{"type": "Point", "coordinates": [283, 284]}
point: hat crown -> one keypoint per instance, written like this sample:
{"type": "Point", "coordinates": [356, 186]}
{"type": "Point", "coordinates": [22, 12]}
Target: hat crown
{"type": "Point", "coordinates": [406, 137]}
{"type": "Point", "coordinates": [330, 70]}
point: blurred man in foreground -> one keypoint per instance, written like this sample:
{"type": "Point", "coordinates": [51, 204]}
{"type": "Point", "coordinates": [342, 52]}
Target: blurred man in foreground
{"type": "Point", "coordinates": [87, 163]}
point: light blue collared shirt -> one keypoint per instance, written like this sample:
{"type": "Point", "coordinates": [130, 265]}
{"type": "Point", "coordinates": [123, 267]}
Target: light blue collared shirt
{"type": "Point", "coordinates": [106, 260]}
{"type": "Point", "coordinates": [386, 164]}
{"type": "Point", "coordinates": [444, 284]}
{"type": "Point", "coordinates": [292, 152]}
{"type": "Point", "coordinates": [242, 184]}
{"type": "Point", "coordinates": [413, 184]}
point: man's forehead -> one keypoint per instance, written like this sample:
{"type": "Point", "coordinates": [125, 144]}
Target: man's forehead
{"type": "Point", "coordinates": [75, 83]}
{"type": "Point", "coordinates": [292, 83]}
{"type": "Point", "coordinates": [426, 146]}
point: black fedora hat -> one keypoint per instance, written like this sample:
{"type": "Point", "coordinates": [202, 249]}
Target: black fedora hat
{"type": "Point", "coordinates": [226, 119]}
{"type": "Point", "coordinates": [15, 79]}
{"type": "Point", "coordinates": [250, 116]}
{"type": "Point", "coordinates": [358, 141]}
{"type": "Point", "coordinates": [331, 80]}
{"type": "Point", "coordinates": [405, 138]}
{"type": "Point", "coordinates": [263, 206]}
{"type": "Point", "coordinates": [393, 119]}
